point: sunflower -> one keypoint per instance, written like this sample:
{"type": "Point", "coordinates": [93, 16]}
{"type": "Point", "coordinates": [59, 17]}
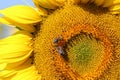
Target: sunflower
{"type": "Point", "coordinates": [62, 40]}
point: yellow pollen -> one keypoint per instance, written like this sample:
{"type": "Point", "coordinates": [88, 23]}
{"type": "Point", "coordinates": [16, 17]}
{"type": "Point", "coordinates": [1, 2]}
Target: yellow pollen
{"type": "Point", "coordinates": [67, 22]}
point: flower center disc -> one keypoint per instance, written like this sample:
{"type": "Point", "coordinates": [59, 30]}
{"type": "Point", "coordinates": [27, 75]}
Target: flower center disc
{"type": "Point", "coordinates": [87, 45]}
{"type": "Point", "coordinates": [84, 53]}
{"type": "Point", "coordinates": [87, 51]}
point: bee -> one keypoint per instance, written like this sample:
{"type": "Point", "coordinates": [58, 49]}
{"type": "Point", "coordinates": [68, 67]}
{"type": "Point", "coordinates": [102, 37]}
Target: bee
{"type": "Point", "coordinates": [59, 44]}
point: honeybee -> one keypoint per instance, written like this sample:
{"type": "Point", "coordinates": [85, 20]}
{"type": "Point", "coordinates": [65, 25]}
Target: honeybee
{"type": "Point", "coordinates": [59, 44]}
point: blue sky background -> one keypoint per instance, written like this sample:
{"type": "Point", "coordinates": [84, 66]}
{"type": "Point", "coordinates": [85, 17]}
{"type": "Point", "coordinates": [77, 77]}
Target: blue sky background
{"type": "Point", "coordinates": [4, 29]}
{"type": "Point", "coordinates": [8, 3]}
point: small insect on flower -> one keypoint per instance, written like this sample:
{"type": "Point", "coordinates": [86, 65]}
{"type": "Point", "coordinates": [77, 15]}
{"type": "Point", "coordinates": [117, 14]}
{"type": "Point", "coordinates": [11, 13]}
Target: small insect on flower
{"type": "Point", "coordinates": [59, 43]}
{"type": "Point", "coordinates": [60, 50]}
{"type": "Point", "coordinates": [56, 40]}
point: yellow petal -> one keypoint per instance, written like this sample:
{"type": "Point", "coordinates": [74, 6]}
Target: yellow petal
{"type": "Point", "coordinates": [27, 27]}
{"type": "Point", "coordinates": [99, 2]}
{"type": "Point", "coordinates": [114, 7]}
{"type": "Point", "coordinates": [108, 3]}
{"type": "Point", "coordinates": [2, 66]}
{"type": "Point", "coordinates": [11, 70]}
{"type": "Point", "coordinates": [54, 2]}
{"type": "Point", "coordinates": [7, 73]}
{"type": "Point", "coordinates": [25, 71]}
{"type": "Point", "coordinates": [115, 12]}
{"type": "Point", "coordinates": [44, 4]}
{"type": "Point", "coordinates": [15, 65]}
{"type": "Point", "coordinates": [29, 73]}
{"type": "Point", "coordinates": [41, 10]}
{"type": "Point", "coordinates": [61, 1]}
{"type": "Point", "coordinates": [18, 37]}
{"type": "Point", "coordinates": [22, 14]}
{"type": "Point", "coordinates": [24, 65]}
{"type": "Point", "coordinates": [4, 21]}
{"type": "Point", "coordinates": [15, 47]}
{"type": "Point", "coordinates": [15, 59]}
{"type": "Point", "coordinates": [58, 3]}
